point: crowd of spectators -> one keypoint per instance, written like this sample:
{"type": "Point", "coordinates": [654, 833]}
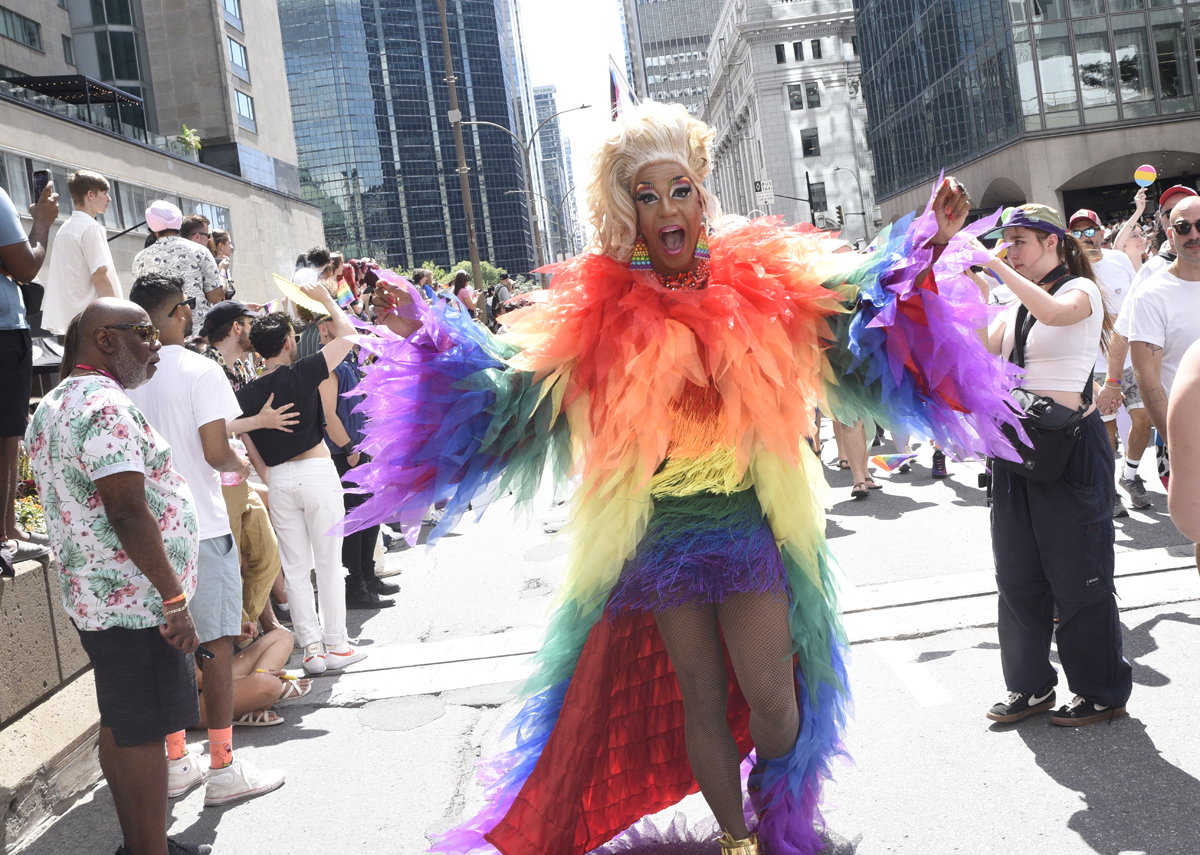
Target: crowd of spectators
{"type": "Point", "coordinates": [189, 467]}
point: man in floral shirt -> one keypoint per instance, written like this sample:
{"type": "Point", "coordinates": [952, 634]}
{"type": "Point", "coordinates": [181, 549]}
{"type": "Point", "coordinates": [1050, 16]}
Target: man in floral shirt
{"type": "Point", "coordinates": [124, 526]}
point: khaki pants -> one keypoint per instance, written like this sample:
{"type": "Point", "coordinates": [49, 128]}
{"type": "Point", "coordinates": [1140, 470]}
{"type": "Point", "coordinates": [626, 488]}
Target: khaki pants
{"type": "Point", "coordinates": [256, 540]}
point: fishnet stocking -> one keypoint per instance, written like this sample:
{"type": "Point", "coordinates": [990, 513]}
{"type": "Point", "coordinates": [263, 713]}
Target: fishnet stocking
{"type": "Point", "coordinates": [760, 647]}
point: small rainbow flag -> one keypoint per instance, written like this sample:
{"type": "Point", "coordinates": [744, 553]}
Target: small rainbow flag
{"type": "Point", "coordinates": [891, 462]}
{"type": "Point", "coordinates": [344, 295]}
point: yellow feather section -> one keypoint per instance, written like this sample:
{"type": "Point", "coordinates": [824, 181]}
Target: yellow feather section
{"type": "Point", "coordinates": [794, 499]}
{"type": "Point", "coordinates": [605, 528]}
{"type": "Point", "coordinates": [715, 472]}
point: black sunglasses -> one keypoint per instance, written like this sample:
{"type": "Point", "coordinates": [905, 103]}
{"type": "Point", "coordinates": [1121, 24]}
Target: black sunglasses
{"type": "Point", "coordinates": [147, 332]}
{"type": "Point", "coordinates": [1082, 232]}
{"type": "Point", "coordinates": [190, 302]}
{"type": "Point", "coordinates": [1183, 227]}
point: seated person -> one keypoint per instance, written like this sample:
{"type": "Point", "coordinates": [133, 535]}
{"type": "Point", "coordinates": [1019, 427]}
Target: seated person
{"type": "Point", "coordinates": [259, 682]}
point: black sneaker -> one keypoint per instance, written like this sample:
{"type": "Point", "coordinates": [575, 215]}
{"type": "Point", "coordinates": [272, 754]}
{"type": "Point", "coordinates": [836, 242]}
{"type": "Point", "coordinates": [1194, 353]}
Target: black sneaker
{"type": "Point", "coordinates": [358, 597]}
{"type": "Point", "coordinates": [1082, 711]}
{"type": "Point", "coordinates": [939, 464]}
{"type": "Point", "coordinates": [174, 847]}
{"type": "Point", "coordinates": [1019, 706]}
{"type": "Point", "coordinates": [379, 586]}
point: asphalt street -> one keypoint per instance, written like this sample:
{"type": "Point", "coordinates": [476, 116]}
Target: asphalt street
{"type": "Point", "coordinates": [383, 757]}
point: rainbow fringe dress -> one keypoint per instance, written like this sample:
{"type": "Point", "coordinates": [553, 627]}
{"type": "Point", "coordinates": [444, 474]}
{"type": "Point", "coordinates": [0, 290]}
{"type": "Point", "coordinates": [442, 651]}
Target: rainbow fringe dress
{"type": "Point", "coordinates": [683, 415]}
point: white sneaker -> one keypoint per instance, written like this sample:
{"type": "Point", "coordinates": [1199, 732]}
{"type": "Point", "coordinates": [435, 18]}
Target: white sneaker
{"type": "Point", "coordinates": [335, 660]}
{"type": "Point", "coordinates": [314, 659]}
{"type": "Point", "coordinates": [434, 516]}
{"type": "Point", "coordinates": [239, 781]}
{"type": "Point", "coordinates": [183, 775]}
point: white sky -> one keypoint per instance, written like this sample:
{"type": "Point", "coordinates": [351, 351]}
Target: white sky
{"type": "Point", "coordinates": [567, 44]}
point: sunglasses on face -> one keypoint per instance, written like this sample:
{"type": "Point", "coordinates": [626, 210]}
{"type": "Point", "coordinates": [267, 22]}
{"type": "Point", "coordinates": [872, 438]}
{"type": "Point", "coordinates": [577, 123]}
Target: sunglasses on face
{"type": "Point", "coordinates": [1083, 232]}
{"type": "Point", "coordinates": [190, 302]}
{"type": "Point", "coordinates": [146, 332]}
{"type": "Point", "coordinates": [1183, 227]}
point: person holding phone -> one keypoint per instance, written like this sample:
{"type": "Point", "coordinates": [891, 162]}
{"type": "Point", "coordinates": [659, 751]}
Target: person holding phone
{"type": "Point", "coordinates": [21, 258]}
{"type": "Point", "coordinates": [81, 266]}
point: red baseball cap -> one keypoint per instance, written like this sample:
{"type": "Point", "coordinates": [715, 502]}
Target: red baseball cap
{"type": "Point", "coordinates": [1085, 214]}
{"type": "Point", "coordinates": [1164, 200]}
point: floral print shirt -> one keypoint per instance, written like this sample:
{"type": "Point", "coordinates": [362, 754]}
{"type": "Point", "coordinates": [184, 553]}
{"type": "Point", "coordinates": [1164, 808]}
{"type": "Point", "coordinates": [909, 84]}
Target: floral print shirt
{"type": "Point", "coordinates": [84, 430]}
{"type": "Point", "coordinates": [190, 261]}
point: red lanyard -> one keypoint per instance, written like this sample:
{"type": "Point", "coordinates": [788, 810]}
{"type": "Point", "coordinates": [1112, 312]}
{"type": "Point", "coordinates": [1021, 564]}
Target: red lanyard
{"type": "Point", "coordinates": [81, 367]}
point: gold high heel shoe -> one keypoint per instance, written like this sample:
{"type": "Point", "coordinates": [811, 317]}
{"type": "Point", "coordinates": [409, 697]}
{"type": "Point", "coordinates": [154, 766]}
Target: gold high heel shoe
{"type": "Point", "coordinates": [748, 846]}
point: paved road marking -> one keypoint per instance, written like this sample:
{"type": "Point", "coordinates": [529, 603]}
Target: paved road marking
{"type": "Point", "coordinates": [923, 686]}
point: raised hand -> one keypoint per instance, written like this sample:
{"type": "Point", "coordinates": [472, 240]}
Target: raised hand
{"type": "Point", "coordinates": [951, 206]}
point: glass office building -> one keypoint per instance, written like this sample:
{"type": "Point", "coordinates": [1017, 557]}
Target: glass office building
{"type": "Point", "coordinates": [667, 42]}
{"type": "Point", "coordinates": [370, 103]}
{"type": "Point", "coordinates": [950, 82]}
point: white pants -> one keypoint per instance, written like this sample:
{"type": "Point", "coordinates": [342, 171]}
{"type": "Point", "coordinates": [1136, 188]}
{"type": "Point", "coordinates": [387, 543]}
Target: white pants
{"type": "Point", "coordinates": [306, 502]}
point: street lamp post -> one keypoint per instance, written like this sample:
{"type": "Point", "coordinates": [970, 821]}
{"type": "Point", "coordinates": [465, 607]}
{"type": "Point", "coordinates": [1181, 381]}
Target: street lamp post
{"type": "Point", "coordinates": [455, 117]}
{"type": "Point", "coordinates": [525, 148]}
{"type": "Point", "coordinates": [861, 201]}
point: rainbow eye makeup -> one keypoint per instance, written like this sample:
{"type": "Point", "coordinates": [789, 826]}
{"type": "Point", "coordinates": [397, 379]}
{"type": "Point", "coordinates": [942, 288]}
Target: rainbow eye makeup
{"type": "Point", "coordinates": [681, 187]}
{"type": "Point", "coordinates": [645, 194]}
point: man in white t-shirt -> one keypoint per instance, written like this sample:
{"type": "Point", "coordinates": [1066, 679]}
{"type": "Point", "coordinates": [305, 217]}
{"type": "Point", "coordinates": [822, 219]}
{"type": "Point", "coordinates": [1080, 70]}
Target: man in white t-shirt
{"type": "Point", "coordinates": [81, 265]}
{"type": "Point", "coordinates": [1164, 318]}
{"type": "Point", "coordinates": [1114, 274]}
{"type": "Point", "coordinates": [190, 403]}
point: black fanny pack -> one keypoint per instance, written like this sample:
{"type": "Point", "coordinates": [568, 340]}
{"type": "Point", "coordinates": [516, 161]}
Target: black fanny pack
{"type": "Point", "coordinates": [1052, 428]}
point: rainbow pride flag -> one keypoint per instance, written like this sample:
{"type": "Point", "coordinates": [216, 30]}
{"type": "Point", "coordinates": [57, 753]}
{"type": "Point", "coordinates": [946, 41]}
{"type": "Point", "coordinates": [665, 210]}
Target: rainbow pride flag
{"type": "Point", "coordinates": [891, 462]}
{"type": "Point", "coordinates": [344, 295]}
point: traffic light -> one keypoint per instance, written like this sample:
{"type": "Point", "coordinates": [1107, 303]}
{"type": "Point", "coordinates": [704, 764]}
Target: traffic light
{"type": "Point", "coordinates": [841, 216]}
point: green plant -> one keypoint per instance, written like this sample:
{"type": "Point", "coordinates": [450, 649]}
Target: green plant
{"type": "Point", "coordinates": [489, 273]}
{"type": "Point", "coordinates": [29, 515]}
{"type": "Point", "coordinates": [189, 139]}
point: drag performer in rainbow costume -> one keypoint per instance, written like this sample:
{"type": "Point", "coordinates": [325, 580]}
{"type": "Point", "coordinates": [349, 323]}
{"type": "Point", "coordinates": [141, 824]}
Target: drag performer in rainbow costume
{"type": "Point", "coordinates": [675, 371]}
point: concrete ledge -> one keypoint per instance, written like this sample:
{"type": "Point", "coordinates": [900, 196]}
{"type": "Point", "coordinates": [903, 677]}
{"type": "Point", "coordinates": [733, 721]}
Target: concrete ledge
{"type": "Point", "coordinates": [47, 760]}
{"type": "Point", "coordinates": [27, 648]}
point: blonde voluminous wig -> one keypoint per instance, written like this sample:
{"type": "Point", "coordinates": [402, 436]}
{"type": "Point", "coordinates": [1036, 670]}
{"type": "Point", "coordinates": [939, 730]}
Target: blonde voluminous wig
{"type": "Point", "coordinates": [649, 133]}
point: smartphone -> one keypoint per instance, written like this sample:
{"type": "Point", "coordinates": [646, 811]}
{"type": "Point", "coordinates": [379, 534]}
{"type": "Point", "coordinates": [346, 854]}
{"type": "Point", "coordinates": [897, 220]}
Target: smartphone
{"type": "Point", "coordinates": [40, 179]}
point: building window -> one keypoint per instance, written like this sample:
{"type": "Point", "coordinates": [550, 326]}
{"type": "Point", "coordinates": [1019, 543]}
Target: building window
{"type": "Point", "coordinates": [816, 48]}
{"type": "Point", "coordinates": [796, 96]}
{"type": "Point", "coordinates": [780, 53]}
{"type": "Point", "coordinates": [854, 44]}
{"type": "Point", "coordinates": [798, 51]}
{"type": "Point", "coordinates": [68, 50]}
{"type": "Point", "coordinates": [810, 146]}
{"type": "Point", "coordinates": [245, 110]}
{"type": "Point", "coordinates": [233, 13]}
{"type": "Point", "coordinates": [812, 94]}
{"type": "Point", "coordinates": [818, 200]}
{"type": "Point", "coordinates": [20, 29]}
{"type": "Point", "coordinates": [237, 58]}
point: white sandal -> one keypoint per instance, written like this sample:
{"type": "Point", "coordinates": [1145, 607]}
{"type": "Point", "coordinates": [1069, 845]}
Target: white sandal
{"type": "Point", "coordinates": [259, 718]}
{"type": "Point", "coordinates": [293, 690]}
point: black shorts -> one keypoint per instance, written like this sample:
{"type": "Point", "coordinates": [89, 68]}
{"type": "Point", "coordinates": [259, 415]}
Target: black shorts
{"type": "Point", "coordinates": [16, 381]}
{"type": "Point", "coordinates": [145, 688]}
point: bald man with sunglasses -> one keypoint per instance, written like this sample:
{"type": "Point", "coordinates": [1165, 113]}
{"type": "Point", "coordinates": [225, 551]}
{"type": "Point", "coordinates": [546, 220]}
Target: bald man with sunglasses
{"type": "Point", "coordinates": [1164, 318]}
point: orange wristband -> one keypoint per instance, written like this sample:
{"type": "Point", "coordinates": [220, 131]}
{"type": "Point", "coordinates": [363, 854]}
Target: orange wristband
{"type": "Point", "coordinates": [173, 600]}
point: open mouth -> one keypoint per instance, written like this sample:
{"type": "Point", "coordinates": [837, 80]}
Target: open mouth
{"type": "Point", "coordinates": [672, 238]}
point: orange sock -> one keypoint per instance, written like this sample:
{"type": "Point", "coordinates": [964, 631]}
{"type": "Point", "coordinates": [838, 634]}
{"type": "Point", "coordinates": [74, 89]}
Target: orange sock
{"type": "Point", "coordinates": [176, 745]}
{"type": "Point", "coordinates": [220, 747]}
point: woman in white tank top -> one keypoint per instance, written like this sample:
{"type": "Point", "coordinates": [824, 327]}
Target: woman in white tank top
{"type": "Point", "coordinates": [1053, 543]}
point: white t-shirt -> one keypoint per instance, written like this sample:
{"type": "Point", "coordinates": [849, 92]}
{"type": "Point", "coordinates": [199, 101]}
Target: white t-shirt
{"type": "Point", "coordinates": [186, 392]}
{"type": "Point", "coordinates": [1114, 274]}
{"type": "Point", "coordinates": [79, 249]}
{"type": "Point", "coordinates": [1059, 359]}
{"type": "Point", "coordinates": [1166, 313]}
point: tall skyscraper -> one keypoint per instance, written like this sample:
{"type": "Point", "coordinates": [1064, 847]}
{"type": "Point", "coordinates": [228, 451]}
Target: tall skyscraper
{"type": "Point", "coordinates": [668, 43]}
{"type": "Point", "coordinates": [559, 177]}
{"type": "Point", "coordinates": [370, 102]}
